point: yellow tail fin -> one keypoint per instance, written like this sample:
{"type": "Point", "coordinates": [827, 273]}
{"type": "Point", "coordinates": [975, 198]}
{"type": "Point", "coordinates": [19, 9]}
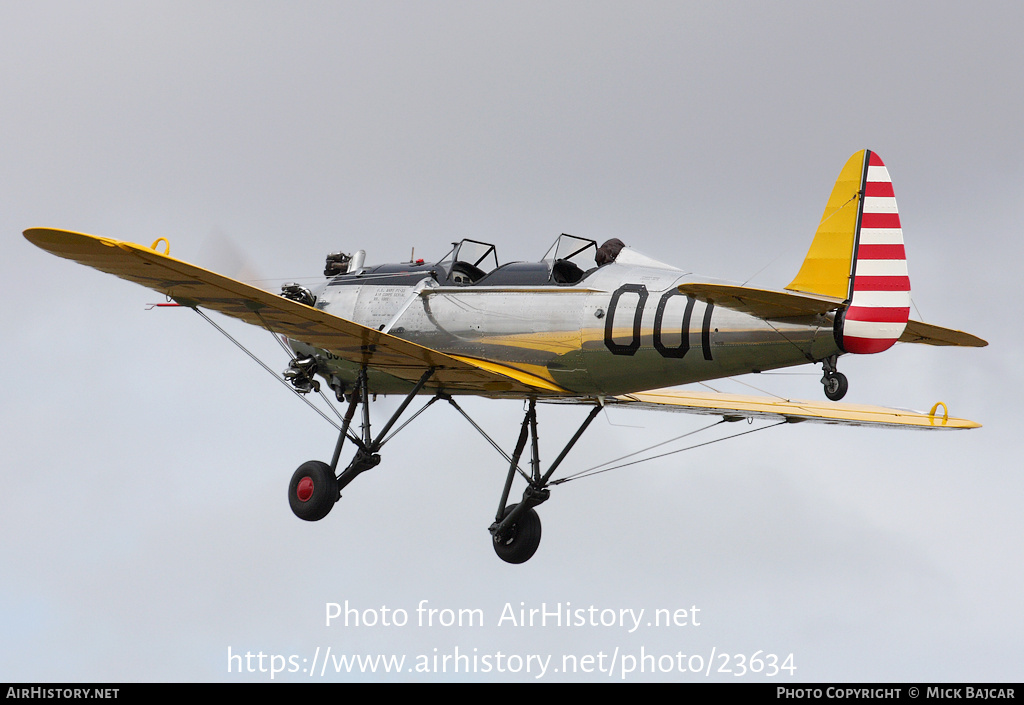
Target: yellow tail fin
{"type": "Point", "coordinates": [827, 268]}
{"type": "Point", "coordinates": [858, 254]}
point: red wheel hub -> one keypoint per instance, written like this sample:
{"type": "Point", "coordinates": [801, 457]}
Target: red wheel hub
{"type": "Point", "coordinates": [305, 489]}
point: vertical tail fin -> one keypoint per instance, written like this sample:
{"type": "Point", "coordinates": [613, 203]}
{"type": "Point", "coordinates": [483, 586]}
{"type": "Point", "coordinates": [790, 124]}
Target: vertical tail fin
{"type": "Point", "coordinates": [857, 254]}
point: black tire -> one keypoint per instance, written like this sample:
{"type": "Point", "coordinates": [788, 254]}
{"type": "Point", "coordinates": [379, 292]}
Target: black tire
{"type": "Point", "coordinates": [521, 539]}
{"type": "Point", "coordinates": [836, 386]}
{"type": "Point", "coordinates": [312, 491]}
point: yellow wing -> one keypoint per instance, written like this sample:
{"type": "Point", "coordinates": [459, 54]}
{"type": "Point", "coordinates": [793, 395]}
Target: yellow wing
{"type": "Point", "coordinates": [194, 286]}
{"type": "Point", "coordinates": [793, 410]}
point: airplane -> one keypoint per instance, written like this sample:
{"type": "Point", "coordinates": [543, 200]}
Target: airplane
{"type": "Point", "coordinates": [596, 326]}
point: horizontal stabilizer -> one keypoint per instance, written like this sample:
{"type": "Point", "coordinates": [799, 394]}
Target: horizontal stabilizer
{"type": "Point", "coordinates": [761, 302]}
{"type": "Point", "coordinates": [792, 410]}
{"type": "Point", "coordinates": [926, 333]}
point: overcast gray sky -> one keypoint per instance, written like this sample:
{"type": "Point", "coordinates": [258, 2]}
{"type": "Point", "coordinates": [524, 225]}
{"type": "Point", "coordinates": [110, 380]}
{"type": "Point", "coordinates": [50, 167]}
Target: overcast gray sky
{"type": "Point", "coordinates": [146, 460]}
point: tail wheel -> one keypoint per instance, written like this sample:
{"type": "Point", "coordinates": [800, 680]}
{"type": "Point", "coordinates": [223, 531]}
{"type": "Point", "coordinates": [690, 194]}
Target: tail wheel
{"type": "Point", "coordinates": [522, 538]}
{"type": "Point", "coordinates": [312, 491]}
{"type": "Point", "coordinates": [835, 385]}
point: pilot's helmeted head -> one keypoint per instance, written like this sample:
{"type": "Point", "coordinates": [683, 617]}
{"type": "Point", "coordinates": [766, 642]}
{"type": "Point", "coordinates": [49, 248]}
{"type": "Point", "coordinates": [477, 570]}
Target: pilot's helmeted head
{"type": "Point", "coordinates": [608, 251]}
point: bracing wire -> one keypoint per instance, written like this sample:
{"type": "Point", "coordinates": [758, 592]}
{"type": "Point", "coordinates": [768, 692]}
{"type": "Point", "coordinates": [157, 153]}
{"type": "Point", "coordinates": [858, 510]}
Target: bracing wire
{"type": "Point", "coordinates": [272, 373]}
{"type": "Point", "coordinates": [593, 471]}
{"type": "Point", "coordinates": [648, 448]}
{"type": "Point", "coordinates": [291, 355]}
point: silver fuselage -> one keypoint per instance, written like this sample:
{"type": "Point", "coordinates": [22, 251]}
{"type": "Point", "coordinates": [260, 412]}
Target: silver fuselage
{"type": "Point", "coordinates": [621, 328]}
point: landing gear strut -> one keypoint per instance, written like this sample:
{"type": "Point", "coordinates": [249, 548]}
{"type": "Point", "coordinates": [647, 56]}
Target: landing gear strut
{"type": "Point", "coordinates": [835, 382]}
{"type": "Point", "coordinates": [314, 487]}
{"type": "Point", "coordinates": [516, 528]}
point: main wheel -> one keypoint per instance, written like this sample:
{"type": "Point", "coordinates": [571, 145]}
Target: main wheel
{"type": "Point", "coordinates": [521, 539]}
{"type": "Point", "coordinates": [312, 491]}
{"type": "Point", "coordinates": [836, 386]}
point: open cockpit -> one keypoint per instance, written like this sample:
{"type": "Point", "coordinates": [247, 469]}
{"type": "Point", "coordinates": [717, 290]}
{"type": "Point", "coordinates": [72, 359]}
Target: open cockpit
{"type": "Point", "coordinates": [474, 263]}
{"type": "Point", "coordinates": [567, 261]}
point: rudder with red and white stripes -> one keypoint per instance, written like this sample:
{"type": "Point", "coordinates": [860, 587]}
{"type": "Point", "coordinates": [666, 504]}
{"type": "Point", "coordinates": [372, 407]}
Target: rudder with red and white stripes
{"type": "Point", "coordinates": [879, 292]}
